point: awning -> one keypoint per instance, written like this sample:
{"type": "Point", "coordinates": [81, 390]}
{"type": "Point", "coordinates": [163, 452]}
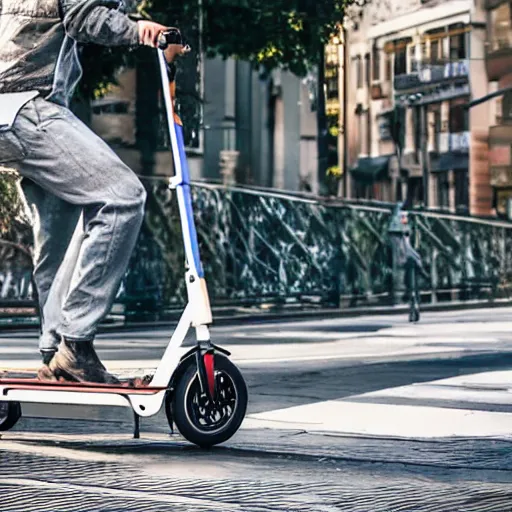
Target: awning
{"type": "Point", "coordinates": [451, 162]}
{"type": "Point", "coordinates": [370, 170]}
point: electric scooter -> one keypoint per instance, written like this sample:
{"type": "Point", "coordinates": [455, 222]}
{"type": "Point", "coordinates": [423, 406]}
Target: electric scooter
{"type": "Point", "coordinates": [203, 392]}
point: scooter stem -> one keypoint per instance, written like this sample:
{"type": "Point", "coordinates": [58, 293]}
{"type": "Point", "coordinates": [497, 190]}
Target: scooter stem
{"type": "Point", "coordinates": [196, 284]}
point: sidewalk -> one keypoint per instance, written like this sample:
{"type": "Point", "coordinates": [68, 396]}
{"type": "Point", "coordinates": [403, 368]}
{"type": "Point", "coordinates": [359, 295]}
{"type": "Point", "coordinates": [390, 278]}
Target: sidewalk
{"type": "Point", "coordinates": [224, 316]}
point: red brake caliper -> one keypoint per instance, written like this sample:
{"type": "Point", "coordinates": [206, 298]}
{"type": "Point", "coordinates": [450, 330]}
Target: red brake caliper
{"type": "Point", "coordinates": [210, 372]}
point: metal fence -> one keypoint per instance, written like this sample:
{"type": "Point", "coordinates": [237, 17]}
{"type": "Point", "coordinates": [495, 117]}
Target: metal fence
{"type": "Point", "coordinates": [261, 246]}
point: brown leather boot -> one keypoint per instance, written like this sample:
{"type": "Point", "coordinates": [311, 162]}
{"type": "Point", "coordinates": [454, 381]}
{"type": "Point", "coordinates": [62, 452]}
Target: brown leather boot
{"type": "Point", "coordinates": [77, 361]}
{"type": "Point", "coordinates": [44, 373]}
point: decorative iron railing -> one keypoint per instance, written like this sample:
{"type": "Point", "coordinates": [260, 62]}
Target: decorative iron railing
{"type": "Point", "coordinates": [265, 246]}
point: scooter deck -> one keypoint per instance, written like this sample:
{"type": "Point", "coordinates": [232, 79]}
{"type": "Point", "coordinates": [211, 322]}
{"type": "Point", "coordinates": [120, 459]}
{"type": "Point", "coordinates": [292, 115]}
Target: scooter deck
{"type": "Point", "coordinates": [34, 384]}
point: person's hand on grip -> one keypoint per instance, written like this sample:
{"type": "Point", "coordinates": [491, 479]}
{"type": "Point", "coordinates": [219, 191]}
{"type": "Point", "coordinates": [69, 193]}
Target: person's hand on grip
{"type": "Point", "coordinates": [149, 32]}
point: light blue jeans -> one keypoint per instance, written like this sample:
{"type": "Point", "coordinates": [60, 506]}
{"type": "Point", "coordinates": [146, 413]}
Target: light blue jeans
{"type": "Point", "coordinates": [86, 206]}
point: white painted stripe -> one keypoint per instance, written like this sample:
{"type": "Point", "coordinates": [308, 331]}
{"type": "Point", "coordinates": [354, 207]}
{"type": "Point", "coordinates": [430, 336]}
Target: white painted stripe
{"type": "Point", "coordinates": [283, 357]}
{"type": "Point", "coordinates": [17, 350]}
{"type": "Point", "coordinates": [385, 420]}
{"type": "Point", "coordinates": [498, 378]}
{"type": "Point", "coordinates": [308, 335]}
{"type": "Point", "coordinates": [496, 388]}
{"type": "Point", "coordinates": [433, 392]}
{"type": "Point", "coordinates": [448, 328]}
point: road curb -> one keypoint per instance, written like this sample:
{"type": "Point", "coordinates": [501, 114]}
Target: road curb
{"type": "Point", "coordinates": [259, 317]}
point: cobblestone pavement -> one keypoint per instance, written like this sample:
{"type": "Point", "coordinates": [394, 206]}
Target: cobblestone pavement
{"type": "Point", "coordinates": [359, 415]}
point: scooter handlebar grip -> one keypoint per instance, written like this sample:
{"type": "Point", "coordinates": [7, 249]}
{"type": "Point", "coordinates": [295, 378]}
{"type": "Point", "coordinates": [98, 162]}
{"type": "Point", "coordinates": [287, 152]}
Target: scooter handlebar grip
{"type": "Point", "coordinates": [171, 36]}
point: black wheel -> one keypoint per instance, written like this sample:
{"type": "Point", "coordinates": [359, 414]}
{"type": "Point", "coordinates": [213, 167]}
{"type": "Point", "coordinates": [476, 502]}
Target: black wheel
{"type": "Point", "coordinates": [202, 421]}
{"type": "Point", "coordinates": [10, 413]}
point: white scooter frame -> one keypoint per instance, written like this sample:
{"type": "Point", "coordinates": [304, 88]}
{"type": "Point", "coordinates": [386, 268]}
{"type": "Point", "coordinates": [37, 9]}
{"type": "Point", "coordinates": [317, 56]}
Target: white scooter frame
{"type": "Point", "coordinates": [147, 400]}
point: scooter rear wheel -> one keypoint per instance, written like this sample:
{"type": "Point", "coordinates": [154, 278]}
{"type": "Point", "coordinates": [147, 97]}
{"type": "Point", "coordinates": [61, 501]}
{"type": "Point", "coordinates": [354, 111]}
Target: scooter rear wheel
{"type": "Point", "coordinates": [207, 422]}
{"type": "Point", "coordinates": [10, 413]}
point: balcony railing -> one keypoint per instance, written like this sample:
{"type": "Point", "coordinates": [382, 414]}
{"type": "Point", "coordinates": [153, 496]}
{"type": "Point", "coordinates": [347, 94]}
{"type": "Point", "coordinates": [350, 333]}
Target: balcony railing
{"type": "Point", "coordinates": [260, 246]}
{"type": "Point", "coordinates": [430, 73]}
{"type": "Point", "coordinates": [457, 142]}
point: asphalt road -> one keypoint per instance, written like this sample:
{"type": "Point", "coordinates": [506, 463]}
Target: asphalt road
{"type": "Point", "coordinates": [366, 414]}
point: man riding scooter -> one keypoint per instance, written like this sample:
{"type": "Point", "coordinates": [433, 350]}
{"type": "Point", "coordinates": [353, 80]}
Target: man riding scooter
{"type": "Point", "coordinates": [68, 173]}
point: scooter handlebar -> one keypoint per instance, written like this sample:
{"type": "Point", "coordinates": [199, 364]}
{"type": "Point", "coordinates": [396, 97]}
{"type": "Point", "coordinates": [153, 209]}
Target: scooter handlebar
{"type": "Point", "coordinates": [171, 36]}
{"type": "Point", "coordinates": [172, 44]}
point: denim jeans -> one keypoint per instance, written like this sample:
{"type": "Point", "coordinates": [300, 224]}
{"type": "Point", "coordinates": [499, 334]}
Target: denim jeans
{"type": "Point", "coordinates": [86, 206]}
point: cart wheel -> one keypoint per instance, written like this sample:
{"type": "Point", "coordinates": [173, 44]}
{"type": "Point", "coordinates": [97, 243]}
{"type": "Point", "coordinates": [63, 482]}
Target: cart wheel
{"type": "Point", "coordinates": [202, 421]}
{"type": "Point", "coordinates": [10, 413]}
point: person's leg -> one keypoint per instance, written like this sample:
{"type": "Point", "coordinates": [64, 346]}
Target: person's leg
{"type": "Point", "coordinates": [65, 158]}
{"type": "Point", "coordinates": [55, 254]}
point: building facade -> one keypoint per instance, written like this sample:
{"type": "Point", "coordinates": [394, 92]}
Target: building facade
{"type": "Point", "coordinates": [499, 72]}
{"type": "Point", "coordinates": [414, 66]}
{"type": "Point", "coordinates": [240, 126]}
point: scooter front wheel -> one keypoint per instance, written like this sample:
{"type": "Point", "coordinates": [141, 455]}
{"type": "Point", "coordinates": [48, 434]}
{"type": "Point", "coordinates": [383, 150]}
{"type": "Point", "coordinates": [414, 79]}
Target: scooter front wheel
{"type": "Point", "coordinates": [10, 413]}
{"type": "Point", "coordinates": [201, 420]}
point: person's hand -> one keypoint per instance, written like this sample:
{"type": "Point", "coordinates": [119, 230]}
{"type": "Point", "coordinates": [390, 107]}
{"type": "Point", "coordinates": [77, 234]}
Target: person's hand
{"type": "Point", "coordinates": [175, 50]}
{"type": "Point", "coordinates": [149, 32]}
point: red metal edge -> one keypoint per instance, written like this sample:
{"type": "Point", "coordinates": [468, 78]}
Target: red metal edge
{"type": "Point", "coordinates": [210, 372]}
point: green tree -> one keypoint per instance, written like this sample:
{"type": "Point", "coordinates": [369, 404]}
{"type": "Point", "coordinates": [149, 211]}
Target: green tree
{"type": "Point", "coordinates": [290, 34]}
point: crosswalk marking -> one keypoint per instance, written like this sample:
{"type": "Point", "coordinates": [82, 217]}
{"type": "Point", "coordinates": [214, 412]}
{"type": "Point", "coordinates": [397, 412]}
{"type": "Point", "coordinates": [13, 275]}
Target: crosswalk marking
{"type": "Point", "coordinates": [366, 414]}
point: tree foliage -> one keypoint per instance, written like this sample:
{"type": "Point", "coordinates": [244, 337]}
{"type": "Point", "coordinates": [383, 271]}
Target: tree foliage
{"type": "Point", "coordinates": [271, 33]}
{"type": "Point", "coordinates": [268, 33]}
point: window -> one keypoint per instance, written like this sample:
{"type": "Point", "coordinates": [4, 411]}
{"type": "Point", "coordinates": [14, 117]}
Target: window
{"type": "Point", "coordinates": [443, 190]}
{"type": "Point", "coordinates": [400, 60]}
{"type": "Point", "coordinates": [360, 139]}
{"type": "Point", "coordinates": [332, 54]}
{"type": "Point", "coordinates": [506, 106]}
{"type": "Point", "coordinates": [458, 117]}
{"type": "Point", "coordinates": [368, 133]}
{"type": "Point", "coordinates": [424, 52]}
{"type": "Point", "coordinates": [367, 69]}
{"type": "Point", "coordinates": [461, 191]}
{"type": "Point", "coordinates": [387, 65]}
{"type": "Point", "coordinates": [358, 68]}
{"type": "Point", "coordinates": [501, 27]}
{"type": "Point", "coordinates": [376, 63]}
{"type": "Point", "coordinates": [436, 128]}
{"type": "Point", "coordinates": [332, 82]}
{"type": "Point", "coordinates": [417, 119]}
{"type": "Point", "coordinates": [437, 38]}
{"type": "Point", "coordinates": [458, 34]}
{"type": "Point", "coordinates": [413, 61]}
